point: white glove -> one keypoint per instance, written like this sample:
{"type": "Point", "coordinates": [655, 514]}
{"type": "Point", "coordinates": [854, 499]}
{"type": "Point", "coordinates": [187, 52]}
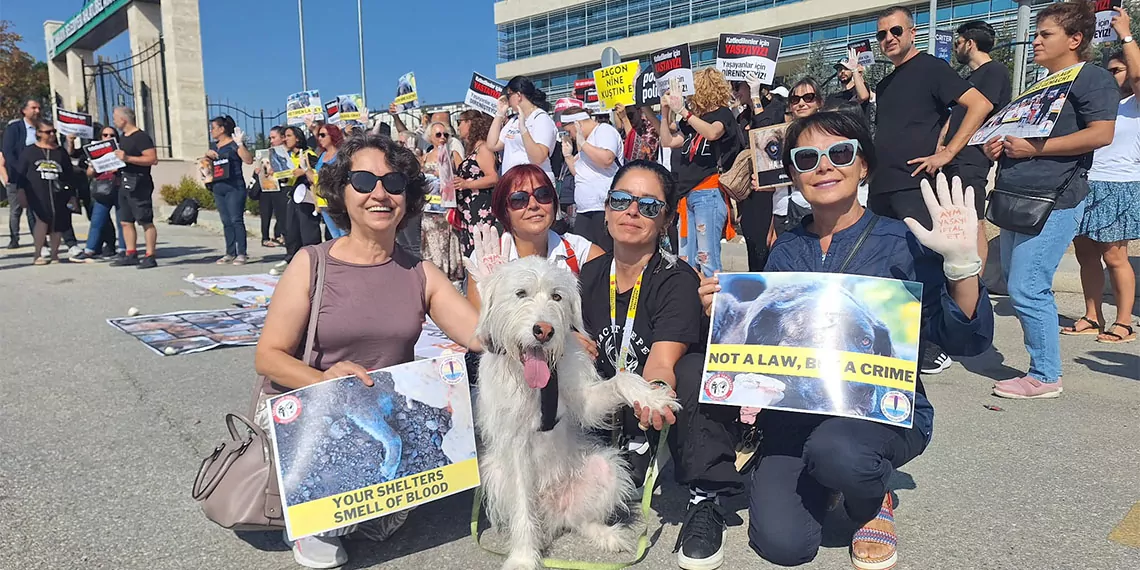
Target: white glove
{"type": "Point", "coordinates": [674, 101]}
{"type": "Point", "coordinates": [754, 83]}
{"type": "Point", "coordinates": [488, 252]}
{"type": "Point", "coordinates": [239, 136]}
{"type": "Point", "coordinates": [852, 60]}
{"type": "Point", "coordinates": [955, 228]}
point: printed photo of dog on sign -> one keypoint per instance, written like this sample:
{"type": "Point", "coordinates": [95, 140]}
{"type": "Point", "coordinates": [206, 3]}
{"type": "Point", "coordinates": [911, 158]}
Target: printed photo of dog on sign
{"type": "Point", "coordinates": [841, 345]}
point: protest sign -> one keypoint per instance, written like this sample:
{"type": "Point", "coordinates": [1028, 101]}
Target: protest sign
{"type": "Point", "coordinates": [615, 84]}
{"type": "Point", "coordinates": [351, 107]}
{"type": "Point", "coordinates": [944, 45]}
{"type": "Point", "coordinates": [332, 111]}
{"type": "Point", "coordinates": [406, 95]}
{"type": "Point", "coordinates": [767, 156]}
{"type": "Point", "coordinates": [866, 56]}
{"type": "Point", "coordinates": [74, 124]}
{"type": "Point", "coordinates": [249, 289]}
{"type": "Point", "coordinates": [1033, 114]}
{"type": "Point", "coordinates": [645, 90]}
{"type": "Point", "coordinates": [433, 342]}
{"type": "Point", "coordinates": [672, 63]}
{"type": "Point", "coordinates": [280, 164]}
{"type": "Point", "coordinates": [818, 343]}
{"type": "Point", "coordinates": [264, 171]}
{"type": "Point", "coordinates": [302, 105]}
{"type": "Point", "coordinates": [483, 94]}
{"type": "Point", "coordinates": [1104, 15]}
{"type": "Point", "coordinates": [186, 332]}
{"type": "Point", "coordinates": [101, 156]}
{"type": "Point", "coordinates": [740, 54]}
{"type": "Point", "coordinates": [346, 453]}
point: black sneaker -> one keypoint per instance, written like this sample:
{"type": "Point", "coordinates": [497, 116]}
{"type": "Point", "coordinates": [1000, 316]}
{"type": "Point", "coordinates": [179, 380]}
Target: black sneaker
{"type": "Point", "coordinates": [148, 262]}
{"type": "Point", "coordinates": [13, 244]}
{"type": "Point", "coordinates": [934, 361]}
{"type": "Point", "coordinates": [109, 252]}
{"type": "Point", "coordinates": [84, 257]}
{"type": "Point", "coordinates": [700, 545]}
{"type": "Point", "coordinates": [125, 260]}
{"type": "Point", "coordinates": [639, 454]}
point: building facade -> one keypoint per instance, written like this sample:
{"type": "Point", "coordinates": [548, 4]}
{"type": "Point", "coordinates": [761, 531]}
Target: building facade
{"type": "Point", "coordinates": [555, 42]}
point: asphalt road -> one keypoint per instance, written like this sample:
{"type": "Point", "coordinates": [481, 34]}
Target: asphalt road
{"type": "Point", "coordinates": [100, 440]}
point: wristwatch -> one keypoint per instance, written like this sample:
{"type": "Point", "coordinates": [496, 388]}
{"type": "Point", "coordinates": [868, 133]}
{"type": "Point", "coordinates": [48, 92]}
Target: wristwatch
{"type": "Point", "coordinates": [1127, 39]}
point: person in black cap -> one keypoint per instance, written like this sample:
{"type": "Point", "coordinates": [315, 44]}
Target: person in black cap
{"type": "Point", "coordinates": [855, 92]}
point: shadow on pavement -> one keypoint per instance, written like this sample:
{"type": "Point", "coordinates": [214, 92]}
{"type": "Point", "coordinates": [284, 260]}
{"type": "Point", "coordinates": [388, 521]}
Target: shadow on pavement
{"type": "Point", "coordinates": [1120, 364]}
{"type": "Point", "coordinates": [990, 364]}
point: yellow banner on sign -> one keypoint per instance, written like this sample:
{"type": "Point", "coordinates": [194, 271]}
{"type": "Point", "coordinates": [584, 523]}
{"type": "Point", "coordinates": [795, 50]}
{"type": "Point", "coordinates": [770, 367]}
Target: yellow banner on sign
{"type": "Point", "coordinates": [615, 84]}
{"type": "Point", "coordinates": [368, 503]}
{"type": "Point", "coordinates": [873, 369]}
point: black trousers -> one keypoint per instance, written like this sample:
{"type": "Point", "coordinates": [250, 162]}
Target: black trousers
{"type": "Point", "coordinates": [803, 458]}
{"type": "Point", "coordinates": [592, 226]}
{"type": "Point", "coordinates": [755, 219]}
{"type": "Point", "coordinates": [273, 204]}
{"type": "Point", "coordinates": [302, 228]}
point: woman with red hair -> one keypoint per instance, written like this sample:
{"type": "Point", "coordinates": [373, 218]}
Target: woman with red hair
{"type": "Point", "coordinates": [329, 138]}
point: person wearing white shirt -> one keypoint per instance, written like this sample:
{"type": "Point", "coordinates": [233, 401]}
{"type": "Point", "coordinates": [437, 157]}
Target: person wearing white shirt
{"type": "Point", "coordinates": [599, 146]}
{"type": "Point", "coordinates": [529, 136]}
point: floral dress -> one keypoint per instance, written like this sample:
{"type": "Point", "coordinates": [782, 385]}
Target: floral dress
{"type": "Point", "coordinates": [474, 205]}
{"type": "Point", "coordinates": [439, 242]}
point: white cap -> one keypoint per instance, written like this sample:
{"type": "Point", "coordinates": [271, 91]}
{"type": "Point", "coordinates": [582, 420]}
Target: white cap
{"type": "Point", "coordinates": [781, 91]}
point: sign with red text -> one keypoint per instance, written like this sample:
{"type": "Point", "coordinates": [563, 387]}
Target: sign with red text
{"type": "Point", "coordinates": [483, 94]}
{"type": "Point", "coordinates": [866, 57]}
{"type": "Point", "coordinates": [737, 55]}
{"type": "Point", "coordinates": [1104, 15]}
{"type": "Point", "coordinates": [74, 124]}
{"type": "Point", "coordinates": [674, 62]}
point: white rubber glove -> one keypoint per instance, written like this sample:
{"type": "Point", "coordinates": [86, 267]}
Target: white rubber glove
{"type": "Point", "coordinates": [674, 101]}
{"type": "Point", "coordinates": [239, 136]}
{"type": "Point", "coordinates": [488, 252]}
{"type": "Point", "coordinates": [955, 228]}
{"type": "Point", "coordinates": [754, 83]}
{"type": "Point", "coordinates": [852, 61]}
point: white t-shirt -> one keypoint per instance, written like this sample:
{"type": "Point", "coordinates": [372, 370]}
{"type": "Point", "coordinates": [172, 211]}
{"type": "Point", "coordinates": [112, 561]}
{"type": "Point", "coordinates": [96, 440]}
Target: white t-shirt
{"type": "Point", "coordinates": [592, 182]}
{"type": "Point", "coordinates": [1120, 161]}
{"type": "Point", "coordinates": [542, 130]}
{"type": "Point", "coordinates": [556, 250]}
{"type": "Point", "coordinates": [665, 158]}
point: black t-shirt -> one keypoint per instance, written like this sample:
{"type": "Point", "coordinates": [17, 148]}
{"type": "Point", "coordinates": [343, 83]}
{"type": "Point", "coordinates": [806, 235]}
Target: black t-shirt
{"type": "Point", "coordinates": [227, 168]}
{"type": "Point", "coordinates": [913, 103]}
{"type": "Point", "coordinates": [44, 170]}
{"type": "Point", "coordinates": [992, 79]}
{"type": "Point", "coordinates": [773, 114]}
{"type": "Point", "coordinates": [697, 157]}
{"type": "Point", "coordinates": [847, 101]}
{"type": "Point", "coordinates": [133, 145]}
{"type": "Point", "coordinates": [668, 310]}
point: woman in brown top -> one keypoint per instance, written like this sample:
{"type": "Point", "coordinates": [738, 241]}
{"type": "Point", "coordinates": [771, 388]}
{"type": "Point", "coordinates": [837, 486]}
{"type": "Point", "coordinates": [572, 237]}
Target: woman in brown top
{"type": "Point", "coordinates": [375, 294]}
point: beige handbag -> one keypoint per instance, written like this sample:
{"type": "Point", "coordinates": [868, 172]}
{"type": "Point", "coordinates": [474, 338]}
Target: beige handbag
{"type": "Point", "coordinates": [737, 180]}
{"type": "Point", "coordinates": [237, 483]}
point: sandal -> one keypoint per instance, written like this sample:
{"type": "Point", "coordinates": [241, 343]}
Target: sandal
{"type": "Point", "coordinates": [1093, 328]}
{"type": "Point", "coordinates": [41, 261]}
{"type": "Point", "coordinates": [878, 539]}
{"type": "Point", "coordinates": [1116, 339]}
{"type": "Point", "coordinates": [268, 243]}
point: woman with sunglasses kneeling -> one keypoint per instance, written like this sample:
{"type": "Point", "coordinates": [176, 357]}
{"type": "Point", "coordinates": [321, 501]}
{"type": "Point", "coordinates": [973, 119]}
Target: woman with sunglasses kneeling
{"type": "Point", "coordinates": [375, 298]}
{"type": "Point", "coordinates": [811, 464]}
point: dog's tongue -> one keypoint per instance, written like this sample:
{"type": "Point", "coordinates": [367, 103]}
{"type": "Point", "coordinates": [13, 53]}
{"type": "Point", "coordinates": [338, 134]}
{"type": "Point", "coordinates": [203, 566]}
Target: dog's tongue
{"type": "Point", "coordinates": [536, 371]}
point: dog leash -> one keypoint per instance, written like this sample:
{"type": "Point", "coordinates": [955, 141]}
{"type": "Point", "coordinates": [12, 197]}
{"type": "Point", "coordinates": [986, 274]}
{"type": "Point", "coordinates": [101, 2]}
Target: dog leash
{"type": "Point", "coordinates": [559, 564]}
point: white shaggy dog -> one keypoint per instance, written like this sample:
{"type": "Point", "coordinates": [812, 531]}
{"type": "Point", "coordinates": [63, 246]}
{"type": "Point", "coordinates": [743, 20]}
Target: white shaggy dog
{"type": "Point", "coordinates": [538, 395]}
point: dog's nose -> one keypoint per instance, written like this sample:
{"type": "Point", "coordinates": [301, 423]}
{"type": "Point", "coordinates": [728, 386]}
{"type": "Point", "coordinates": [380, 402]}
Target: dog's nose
{"type": "Point", "coordinates": [543, 332]}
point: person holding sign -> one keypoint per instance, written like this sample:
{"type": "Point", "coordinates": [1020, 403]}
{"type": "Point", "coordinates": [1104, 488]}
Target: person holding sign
{"type": "Point", "coordinates": [41, 172]}
{"type": "Point", "coordinates": [105, 197]}
{"type": "Point", "coordinates": [376, 297]}
{"type": "Point", "coordinates": [302, 227]}
{"type": "Point", "coordinates": [599, 146]}
{"type": "Point", "coordinates": [809, 462]}
{"type": "Point", "coordinates": [137, 151]}
{"type": "Point", "coordinates": [528, 137]}
{"type": "Point", "coordinates": [855, 94]}
{"type": "Point", "coordinates": [438, 241]}
{"type": "Point", "coordinates": [1055, 167]}
{"type": "Point", "coordinates": [228, 185]}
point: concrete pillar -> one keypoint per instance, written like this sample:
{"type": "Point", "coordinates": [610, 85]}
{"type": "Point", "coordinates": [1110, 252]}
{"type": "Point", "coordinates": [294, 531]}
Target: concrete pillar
{"type": "Point", "coordinates": [78, 97]}
{"type": "Point", "coordinates": [186, 84]}
{"type": "Point", "coordinates": [144, 27]}
{"type": "Point", "coordinates": [57, 70]}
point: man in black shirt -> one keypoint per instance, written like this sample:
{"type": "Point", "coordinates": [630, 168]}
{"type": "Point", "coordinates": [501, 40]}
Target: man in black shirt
{"type": "Point", "coordinates": [855, 94]}
{"type": "Point", "coordinates": [972, 47]}
{"type": "Point", "coordinates": [137, 150]}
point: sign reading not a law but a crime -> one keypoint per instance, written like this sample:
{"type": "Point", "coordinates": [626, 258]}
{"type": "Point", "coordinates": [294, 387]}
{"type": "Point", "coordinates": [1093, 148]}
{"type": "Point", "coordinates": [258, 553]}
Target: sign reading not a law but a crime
{"type": "Point", "coordinates": [674, 62]}
{"type": "Point", "coordinates": [740, 54]}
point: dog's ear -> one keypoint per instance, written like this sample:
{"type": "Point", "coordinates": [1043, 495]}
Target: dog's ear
{"type": "Point", "coordinates": [728, 326]}
{"type": "Point", "coordinates": [745, 288]}
{"type": "Point", "coordinates": [883, 345]}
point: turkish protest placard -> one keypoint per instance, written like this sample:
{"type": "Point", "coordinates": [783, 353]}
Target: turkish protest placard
{"type": "Point", "coordinates": [740, 54]}
{"type": "Point", "coordinates": [101, 156]}
{"type": "Point", "coordinates": [406, 95]}
{"type": "Point", "coordinates": [645, 90]}
{"type": "Point", "coordinates": [332, 111]}
{"type": "Point", "coordinates": [186, 332]}
{"type": "Point", "coordinates": [816, 343]}
{"type": "Point", "coordinates": [483, 94]}
{"type": "Point", "coordinates": [615, 84]}
{"type": "Point", "coordinates": [74, 124]}
{"type": "Point", "coordinates": [863, 51]}
{"type": "Point", "coordinates": [351, 107]}
{"type": "Point", "coordinates": [1033, 114]}
{"type": "Point", "coordinates": [280, 164]}
{"type": "Point", "coordinates": [593, 104]}
{"type": "Point", "coordinates": [672, 63]}
{"type": "Point", "coordinates": [1104, 15]}
{"type": "Point", "coordinates": [767, 156]}
{"type": "Point", "coordinates": [347, 453]}
{"type": "Point", "coordinates": [302, 105]}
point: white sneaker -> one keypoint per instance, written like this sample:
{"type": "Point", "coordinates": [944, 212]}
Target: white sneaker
{"type": "Point", "coordinates": [74, 251]}
{"type": "Point", "coordinates": [318, 551]}
{"type": "Point", "coordinates": [45, 251]}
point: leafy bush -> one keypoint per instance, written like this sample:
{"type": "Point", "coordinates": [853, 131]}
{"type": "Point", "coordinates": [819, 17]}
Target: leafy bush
{"type": "Point", "coordinates": [188, 188]}
{"type": "Point", "coordinates": [253, 206]}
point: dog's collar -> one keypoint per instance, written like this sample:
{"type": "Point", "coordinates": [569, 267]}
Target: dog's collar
{"type": "Point", "coordinates": [548, 403]}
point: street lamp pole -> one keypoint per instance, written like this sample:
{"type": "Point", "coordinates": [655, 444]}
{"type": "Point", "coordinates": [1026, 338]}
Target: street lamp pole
{"type": "Point", "coordinates": [360, 39]}
{"type": "Point", "coordinates": [301, 23]}
{"type": "Point", "coordinates": [932, 29]}
{"type": "Point", "coordinates": [1023, 9]}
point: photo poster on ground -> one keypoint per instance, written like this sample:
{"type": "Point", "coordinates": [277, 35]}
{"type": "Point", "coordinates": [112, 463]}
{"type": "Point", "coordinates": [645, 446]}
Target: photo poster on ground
{"type": "Point", "coordinates": [483, 94]}
{"type": "Point", "coordinates": [864, 52]}
{"type": "Point", "coordinates": [646, 92]}
{"type": "Point", "coordinates": [186, 332]}
{"type": "Point", "coordinates": [767, 156]}
{"type": "Point", "coordinates": [671, 63]}
{"type": "Point", "coordinates": [740, 54]}
{"type": "Point", "coordinates": [1104, 15]}
{"type": "Point", "coordinates": [74, 124]}
{"type": "Point", "coordinates": [1033, 114]}
{"type": "Point", "coordinates": [406, 95]}
{"type": "Point", "coordinates": [615, 84]}
{"type": "Point", "coordinates": [346, 453]}
{"type": "Point", "coordinates": [351, 107]}
{"type": "Point", "coordinates": [302, 105]}
{"type": "Point", "coordinates": [253, 289]}
{"type": "Point", "coordinates": [101, 156]}
{"type": "Point", "coordinates": [816, 343]}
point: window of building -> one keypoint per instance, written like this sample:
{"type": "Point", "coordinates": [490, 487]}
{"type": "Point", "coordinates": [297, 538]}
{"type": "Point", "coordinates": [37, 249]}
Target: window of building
{"type": "Point", "coordinates": [595, 23]}
{"type": "Point", "coordinates": [576, 28]}
{"type": "Point", "coordinates": [638, 19]}
{"type": "Point", "coordinates": [704, 10]}
{"type": "Point", "coordinates": [679, 13]}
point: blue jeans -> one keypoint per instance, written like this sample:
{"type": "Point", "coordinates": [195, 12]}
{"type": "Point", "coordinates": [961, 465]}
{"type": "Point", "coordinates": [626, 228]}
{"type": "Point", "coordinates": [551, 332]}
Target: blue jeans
{"type": "Point", "coordinates": [707, 214]}
{"type": "Point", "coordinates": [1028, 264]}
{"type": "Point", "coordinates": [334, 231]}
{"type": "Point", "coordinates": [100, 217]}
{"type": "Point", "coordinates": [231, 208]}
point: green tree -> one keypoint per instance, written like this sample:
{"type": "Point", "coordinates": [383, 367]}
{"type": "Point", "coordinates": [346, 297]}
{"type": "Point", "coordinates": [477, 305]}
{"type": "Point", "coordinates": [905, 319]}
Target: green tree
{"type": "Point", "coordinates": [816, 65]}
{"type": "Point", "coordinates": [261, 141]}
{"type": "Point", "coordinates": [21, 76]}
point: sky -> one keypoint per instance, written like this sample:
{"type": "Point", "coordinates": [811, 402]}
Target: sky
{"type": "Point", "coordinates": [251, 48]}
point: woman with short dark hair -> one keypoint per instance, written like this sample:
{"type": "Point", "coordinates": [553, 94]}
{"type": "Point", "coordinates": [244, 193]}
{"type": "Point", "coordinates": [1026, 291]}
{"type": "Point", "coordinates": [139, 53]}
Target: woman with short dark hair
{"type": "Point", "coordinates": [228, 185]}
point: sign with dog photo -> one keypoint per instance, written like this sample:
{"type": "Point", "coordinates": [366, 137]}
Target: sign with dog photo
{"type": "Point", "coordinates": [816, 343]}
{"type": "Point", "coordinates": [1034, 112]}
{"type": "Point", "coordinates": [767, 156]}
{"type": "Point", "coordinates": [347, 453]}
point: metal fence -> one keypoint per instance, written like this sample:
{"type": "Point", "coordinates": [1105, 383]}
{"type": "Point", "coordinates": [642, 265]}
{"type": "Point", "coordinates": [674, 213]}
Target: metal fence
{"type": "Point", "coordinates": [111, 83]}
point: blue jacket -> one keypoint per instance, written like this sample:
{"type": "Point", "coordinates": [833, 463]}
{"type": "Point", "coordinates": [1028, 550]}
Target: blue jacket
{"type": "Point", "coordinates": [891, 251]}
{"type": "Point", "coordinates": [15, 139]}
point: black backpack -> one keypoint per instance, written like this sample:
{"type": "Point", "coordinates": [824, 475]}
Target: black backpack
{"type": "Point", "coordinates": [186, 213]}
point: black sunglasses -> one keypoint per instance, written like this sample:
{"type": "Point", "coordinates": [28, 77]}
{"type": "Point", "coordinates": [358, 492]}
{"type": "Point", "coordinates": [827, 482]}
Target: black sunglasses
{"type": "Point", "coordinates": [520, 199]}
{"type": "Point", "coordinates": [108, 135]}
{"type": "Point", "coordinates": [842, 153]}
{"type": "Point", "coordinates": [806, 98]}
{"type": "Point", "coordinates": [620, 201]}
{"type": "Point", "coordinates": [363, 181]}
{"type": "Point", "coordinates": [49, 132]}
{"type": "Point", "coordinates": [442, 135]}
{"type": "Point", "coordinates": [322, 136]}
{"type": "Point", "coordinates": [896, 31]}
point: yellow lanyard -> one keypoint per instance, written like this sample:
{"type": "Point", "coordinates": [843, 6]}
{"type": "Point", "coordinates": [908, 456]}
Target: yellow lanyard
{"type": "Point", "coordinates": [630, 314]}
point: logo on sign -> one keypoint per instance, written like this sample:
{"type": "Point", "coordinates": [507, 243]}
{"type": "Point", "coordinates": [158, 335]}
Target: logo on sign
{"type": "Point", "coordinates": [719, 387]}
{"type": "Point", "coordinates": [286, 409]}
{"type": "Point", "coordinates": [895, 406]}
{"type": "Point", "coordinates": [451, 370]}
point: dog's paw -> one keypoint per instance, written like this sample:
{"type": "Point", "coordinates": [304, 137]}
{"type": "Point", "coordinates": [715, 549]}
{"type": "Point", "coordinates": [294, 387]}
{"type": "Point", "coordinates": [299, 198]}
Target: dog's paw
{"type": "Point", "coordinates": [609, 538]}
{"type": "Point", "coordinates": [634, 388]}
{"type": "Point", "coordinates": [522, 563]}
